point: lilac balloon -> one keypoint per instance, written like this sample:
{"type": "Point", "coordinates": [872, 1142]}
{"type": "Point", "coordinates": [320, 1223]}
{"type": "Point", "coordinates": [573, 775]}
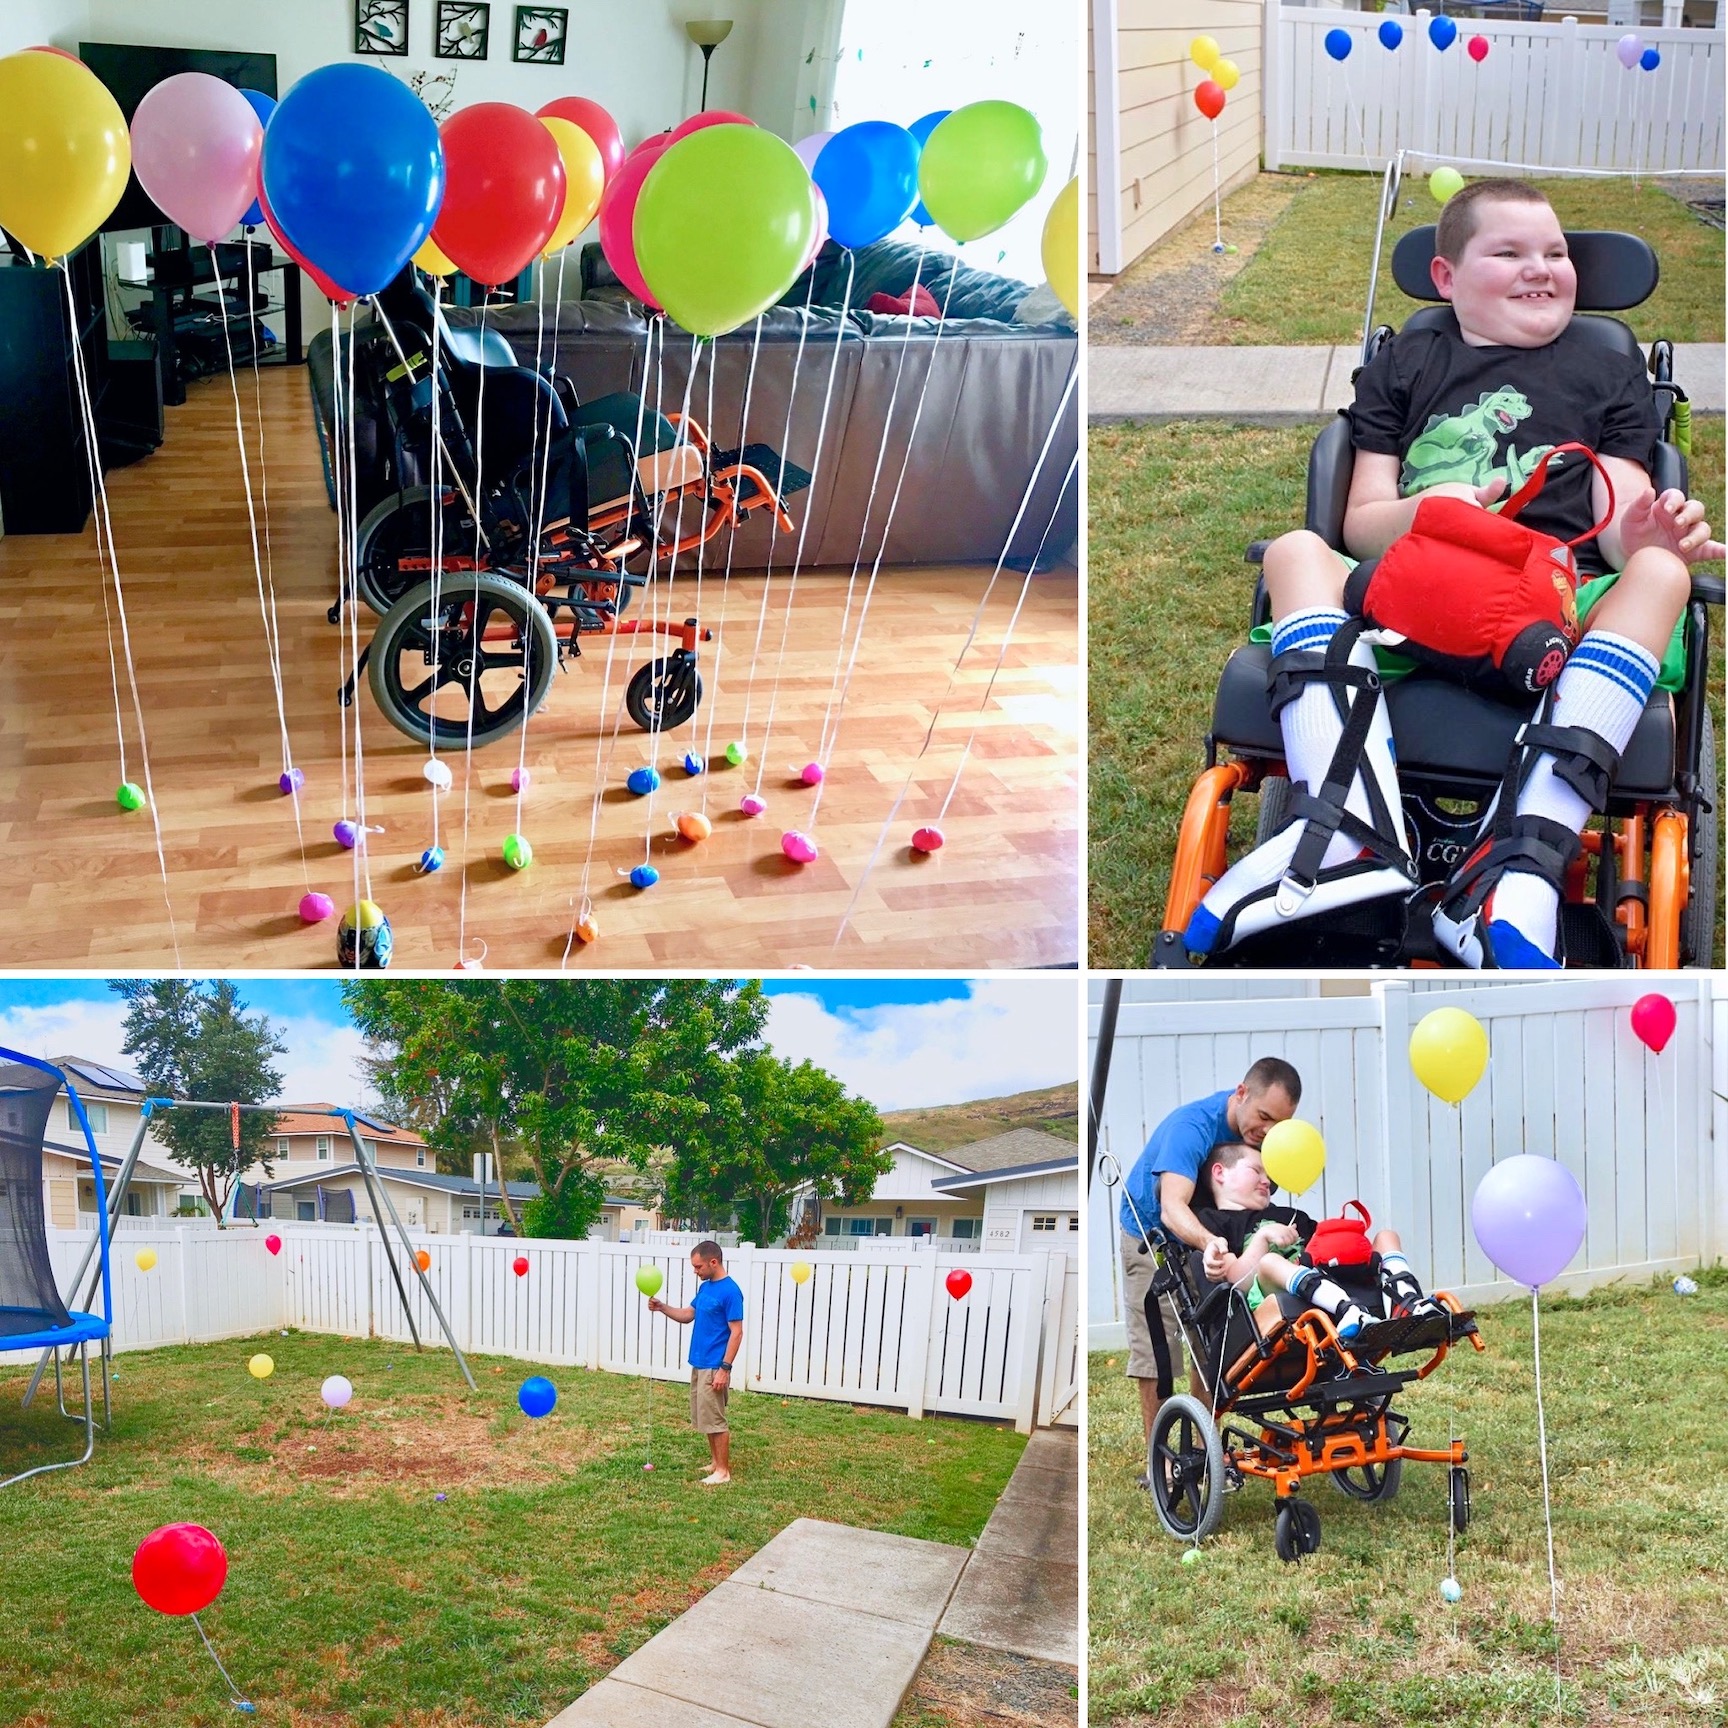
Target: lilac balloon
{"type": "Point", "coordinates": [195, 148]}
{"type": "Point", "coordinates": [1528, 1214]}
{"type": "Point", "coordinates": [1628, 49]}
{"type": "Point", "coordinates": [808, 149]}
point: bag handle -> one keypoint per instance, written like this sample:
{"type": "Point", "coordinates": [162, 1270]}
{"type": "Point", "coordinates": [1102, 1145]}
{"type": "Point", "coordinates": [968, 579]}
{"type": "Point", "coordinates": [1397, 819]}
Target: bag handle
{"type": "Point", "coordinates": [1367, 1222]}
{"type": "Point", "coordinates": [1538, 478]}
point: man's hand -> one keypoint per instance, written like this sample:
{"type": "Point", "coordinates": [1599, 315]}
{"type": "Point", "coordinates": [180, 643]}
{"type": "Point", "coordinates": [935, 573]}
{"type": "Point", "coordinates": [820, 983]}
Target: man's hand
{"type": "Point", "coordinates": [1673, 523]}
{"type": "Point", "coordinates": [722, 1378]}
{"type": "Point", "coordinates": [655, 1305]}
{"type": "Point", "coordinates": [1214, 1256]}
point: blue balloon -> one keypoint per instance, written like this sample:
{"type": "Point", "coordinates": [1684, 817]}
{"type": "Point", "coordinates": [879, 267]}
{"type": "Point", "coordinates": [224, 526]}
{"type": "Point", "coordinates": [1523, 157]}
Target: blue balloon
{"type": "Point", "coordinates": [354, 173]}
{"type": "Point", "coordinates": [263, 106]}
{"type": "Point", "coordinates": [921, 129]}
{"type": "Point", "coordinates": [537, 1394]}
{"type": "Point", "coordinates": [1649, 59]}
{"type": "Point", "coordinates": [869, 175]}
{"type": "Point", "coordinates": [1391, 32]}
{"type": "Point", "coordinates": [1442, 32]}
{"type": "Point", "coordinates": [1338, 44]}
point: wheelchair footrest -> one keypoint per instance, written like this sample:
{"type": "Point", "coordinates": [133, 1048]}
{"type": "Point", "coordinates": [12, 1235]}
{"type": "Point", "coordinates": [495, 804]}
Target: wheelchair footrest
{"type": "Point", "coordinates": [1350, 1387]}
{"type": "Point", "coordinates": [766, 460]}
{"type": "Point", "coordinates": [1403, 1336]}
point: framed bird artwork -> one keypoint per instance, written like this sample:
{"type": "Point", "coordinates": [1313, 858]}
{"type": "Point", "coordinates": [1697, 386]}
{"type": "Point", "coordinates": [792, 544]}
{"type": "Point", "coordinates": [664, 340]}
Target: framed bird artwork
{"type": "Point", "coordinates": [540, 33]}
{"type": "Point", "coordinates": [380, 26]}
{"type": "Point", "coordinates": [461, 30]}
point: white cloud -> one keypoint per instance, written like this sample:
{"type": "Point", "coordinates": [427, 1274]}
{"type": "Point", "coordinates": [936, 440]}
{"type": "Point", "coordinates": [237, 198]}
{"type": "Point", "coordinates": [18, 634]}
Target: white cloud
{"type": "Point", "coordinates": [1008, 1035]}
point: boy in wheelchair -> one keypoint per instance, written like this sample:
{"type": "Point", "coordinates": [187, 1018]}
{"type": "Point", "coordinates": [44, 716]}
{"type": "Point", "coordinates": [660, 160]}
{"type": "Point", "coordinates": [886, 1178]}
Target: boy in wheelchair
{"type": "Point", "coordinates": [1467, 410]}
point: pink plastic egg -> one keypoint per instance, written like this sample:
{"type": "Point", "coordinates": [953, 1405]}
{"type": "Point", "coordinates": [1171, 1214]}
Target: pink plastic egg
{"type": "Point", "coordinates": [800, 848]}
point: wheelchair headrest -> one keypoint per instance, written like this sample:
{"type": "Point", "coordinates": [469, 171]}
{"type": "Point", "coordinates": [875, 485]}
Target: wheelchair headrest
{"type": "Point", "coordinates": [406, 301]}
{"type": "Point", "coordinates": [1615, 271]}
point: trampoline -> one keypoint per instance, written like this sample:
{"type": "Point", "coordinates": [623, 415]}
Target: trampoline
{"type": "Point", "coordinates": [32, 1315]}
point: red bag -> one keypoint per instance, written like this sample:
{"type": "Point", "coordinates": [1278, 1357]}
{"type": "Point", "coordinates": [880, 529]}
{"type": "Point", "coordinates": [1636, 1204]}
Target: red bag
{"type": "Point", "coordinates": [1475, 592]}
{"type": "Point", "coordinates": [1341, 1241]}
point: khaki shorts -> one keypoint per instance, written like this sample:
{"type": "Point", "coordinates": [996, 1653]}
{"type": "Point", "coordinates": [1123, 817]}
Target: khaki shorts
{"type": "Point", "coordinates": [707, 1403]}
{"type": "Point", "coordinates": [1137, 1270]}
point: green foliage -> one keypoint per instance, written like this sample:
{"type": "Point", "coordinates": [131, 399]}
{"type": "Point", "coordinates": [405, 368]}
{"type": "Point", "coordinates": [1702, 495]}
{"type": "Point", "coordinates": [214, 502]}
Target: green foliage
{"type": "Point", "coordinates": [569, 1210]}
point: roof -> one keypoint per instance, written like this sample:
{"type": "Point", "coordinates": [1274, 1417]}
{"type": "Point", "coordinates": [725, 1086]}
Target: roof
{"type": "Point", "coordinates": [141, 1172]}
{"type": "Point", "coordinates": [463, 1185]}
{"type": "Point", "coordinates": [1014, 1173]}
{"type": "Point", "coordinates": [97, 1076]}
{"type": "Point", "coordinates": [1019, 1149]}
{"type": "Point", "coordinates": [323, 1119]}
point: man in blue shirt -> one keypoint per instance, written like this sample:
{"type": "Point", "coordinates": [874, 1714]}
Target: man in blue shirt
{"type": "Point", "coordinates": [1159, 1190]}
{"type": "Point", "coordinates": [716, 1320]}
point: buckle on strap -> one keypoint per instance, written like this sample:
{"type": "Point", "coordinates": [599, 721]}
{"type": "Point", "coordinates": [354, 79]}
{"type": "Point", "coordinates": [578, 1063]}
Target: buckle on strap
{"type": "Point", "coordinates": [1291, 896]}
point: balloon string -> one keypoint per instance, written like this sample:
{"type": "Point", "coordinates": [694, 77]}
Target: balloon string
{"type": "Point", "coordinates": [804, 526]}
{"type": "Point", "coordinates": [436, 502]}
{"type": "Point", "coordinates": [474, 623]}
{"type": "Point", "coordinates": [239, 1696]}
{"type": "Point", "coordinates": [362, 848]}
{"type": "Point", "coordinates": [536, 524]}
{"type": "Point", "coordinates": [1217, 194]}
{"type": "Point", "coordinates": [1542, 1442]}
{"type": "Point", "coordinates": [345, 589]}
{"type": "Point", "coordinates": [87, 413]}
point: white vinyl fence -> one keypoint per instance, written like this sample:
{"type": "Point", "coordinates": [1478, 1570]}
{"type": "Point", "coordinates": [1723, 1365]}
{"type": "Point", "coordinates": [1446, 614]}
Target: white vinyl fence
{"type": "Point", "coordinates": [863, 1329]}
{"type": "Point", "coordinates": [1549, 95]}
{"type": "Point", "coordinates": [1566, 1079]}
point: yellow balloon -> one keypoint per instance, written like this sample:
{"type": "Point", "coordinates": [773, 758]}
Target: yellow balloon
{"type": "Point", "coordinates": [261, 1367]}
{"type": "Point", "coordinates": [64, 152]}
{"type": "Point", "coordinates": [1226, 74]}
{"type": "Point", "coordinates": [144, 1259]}
{"type": "Point", "coordinates": [1449, 1052]}
{"type": "Point", "coordinates": [1205, 52]}
{"type": "Point", "coordinates": [1293, 1154]}
{"type": "Point", "coordinates": [800, 1271]}
{"type": "Point", "coordinates": [1061, 246]}
{"type": "Point", "coordinates": [432, 260]}
{"type": "Point", "coordinates": [584, 180]}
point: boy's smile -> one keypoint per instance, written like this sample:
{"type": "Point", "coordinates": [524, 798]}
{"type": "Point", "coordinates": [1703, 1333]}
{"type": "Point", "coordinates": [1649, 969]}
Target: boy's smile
{"type": "Point", "coordinates": [1515, 286]}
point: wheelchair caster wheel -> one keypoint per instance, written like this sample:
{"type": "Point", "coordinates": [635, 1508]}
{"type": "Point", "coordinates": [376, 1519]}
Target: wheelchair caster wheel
{"type": "Point", "coordinates": [1297, 1531]}
{"type": "Point", "coordinates": [1458, 1497]}
{"type": "Point", "coordinates": [1370, 1482]}
{"type": "Point", "coordinates": [664, 693]}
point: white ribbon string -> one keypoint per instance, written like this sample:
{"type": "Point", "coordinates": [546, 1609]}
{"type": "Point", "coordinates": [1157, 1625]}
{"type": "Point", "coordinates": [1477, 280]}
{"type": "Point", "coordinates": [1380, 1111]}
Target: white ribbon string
{"type": "Point", "coordinates": [475, 621]}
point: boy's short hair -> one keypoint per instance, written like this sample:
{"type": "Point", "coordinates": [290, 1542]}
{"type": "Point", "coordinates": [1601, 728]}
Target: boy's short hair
{"type": "Point", "coordinates": [1458, 215]}
{"type": "Point", "coordinates": [1230, 1154]}
{"type": "Point", "coordinates": [1272, 1071]}
{"type": "Point", "coordinates": [708, 1251]}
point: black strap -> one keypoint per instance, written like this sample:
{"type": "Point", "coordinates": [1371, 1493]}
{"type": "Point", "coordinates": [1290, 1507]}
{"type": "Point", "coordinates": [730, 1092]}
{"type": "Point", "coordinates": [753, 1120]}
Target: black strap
{"type": "Point", "coordinates": [1166, 1378]}
{"type": "Point", "coordinates": [1585, 760]}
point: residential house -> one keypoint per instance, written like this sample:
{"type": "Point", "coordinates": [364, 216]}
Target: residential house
{"type": "Point", "coordinates": [113, 1102]}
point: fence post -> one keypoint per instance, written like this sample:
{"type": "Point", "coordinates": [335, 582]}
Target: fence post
{"type": "Point", "coordinates": [588, 1305]}
{"type": "Point", "coordinates": [1050, 1341]}
{"type": "Point", "coordinates": [185, 1301]}
{"type": "Point", "coordinates": [1273, 57]}
{"type": "Point", "coordinates": [741, 1262]}
{"type": "Point", "coordinates": [1396, 1138]}
{"type": "Point", "coordinates": [917, 1314]}
{"type": "Point", "coordinates": [1716, 1167]}
{"type": "Point", "coordinates": [1026, 1404]}
{"type": "Point", "coordinates": [1564, 67]}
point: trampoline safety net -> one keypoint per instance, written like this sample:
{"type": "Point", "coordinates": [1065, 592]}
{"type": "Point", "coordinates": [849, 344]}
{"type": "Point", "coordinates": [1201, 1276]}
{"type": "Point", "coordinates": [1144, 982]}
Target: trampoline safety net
{"type": "Point", "coordinates": [29, 1297]}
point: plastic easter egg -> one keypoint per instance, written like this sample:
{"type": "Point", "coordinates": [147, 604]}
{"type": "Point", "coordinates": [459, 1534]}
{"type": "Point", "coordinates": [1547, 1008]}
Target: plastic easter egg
{"type": "Point", "coordinates": [800, 848]}
{"type": "Point", "coordinates": [315, 908]}
{"type": "Point", "coordinates": [694, 826]}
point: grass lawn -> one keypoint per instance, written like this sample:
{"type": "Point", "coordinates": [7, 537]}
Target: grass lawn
{"type": "Point", "coordinates": [354, 1596]}
{"type": "Point", "coordinates": [1358, 1635]}
{"type": "Point", "coordinates": [1172, 507]}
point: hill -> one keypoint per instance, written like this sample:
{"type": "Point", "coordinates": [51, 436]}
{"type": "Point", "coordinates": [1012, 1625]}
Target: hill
{"type": "Point", "coordinates": [1053, 1109]}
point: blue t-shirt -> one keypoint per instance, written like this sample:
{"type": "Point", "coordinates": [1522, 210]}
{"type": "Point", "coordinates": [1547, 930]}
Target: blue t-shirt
{"type": "Point", "coordinates": [1179, 1144]}
{"type": "Point", "coordinates": [717, 1304]}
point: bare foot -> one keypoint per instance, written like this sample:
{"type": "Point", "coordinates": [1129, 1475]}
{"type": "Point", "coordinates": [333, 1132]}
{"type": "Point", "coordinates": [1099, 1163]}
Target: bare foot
{"type": "Point", "coordinates": [716, 1479]}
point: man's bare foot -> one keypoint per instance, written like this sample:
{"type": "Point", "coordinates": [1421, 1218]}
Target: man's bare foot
{"type": "Point", "coordinates": [717, 1479]}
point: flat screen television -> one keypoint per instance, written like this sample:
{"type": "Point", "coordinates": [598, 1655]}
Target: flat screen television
{"type": "Point", "coordinates": [130, 72]}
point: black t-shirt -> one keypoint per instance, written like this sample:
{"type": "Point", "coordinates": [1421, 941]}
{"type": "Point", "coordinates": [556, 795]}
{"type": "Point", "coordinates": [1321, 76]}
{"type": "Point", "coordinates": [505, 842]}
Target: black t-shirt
{"type": "Point", "coordinates": [1451, 412]}
{"type": "Point", "coordinates": [1237, 1227]}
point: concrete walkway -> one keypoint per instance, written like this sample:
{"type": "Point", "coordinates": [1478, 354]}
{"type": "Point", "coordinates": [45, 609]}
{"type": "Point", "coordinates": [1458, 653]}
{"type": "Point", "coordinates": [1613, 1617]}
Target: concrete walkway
{"type": "Point", "coordinates": [1279, 385]}
{"type": "Point", "coordinates": [829, 1624]}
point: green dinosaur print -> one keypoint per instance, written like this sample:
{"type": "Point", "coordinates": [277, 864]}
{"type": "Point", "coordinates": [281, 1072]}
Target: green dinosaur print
{"type": "Point", "coordinates": [1460, 448]}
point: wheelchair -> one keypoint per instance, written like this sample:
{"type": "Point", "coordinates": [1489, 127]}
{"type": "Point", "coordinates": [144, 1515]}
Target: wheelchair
{"type": "Point", "coordinates": [1289, 1405]}
{"type": "Point", "coordinates": [1642, 893]}
{"type": "Point", "coordinates": [577, 503]}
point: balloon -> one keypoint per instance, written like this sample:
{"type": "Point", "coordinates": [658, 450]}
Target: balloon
{"type": "Point", "coordinates": [1204, 52]}
{"type": "Point", "coordinates": [1649, 59]}
{"type": "Point", "coordinates": [49, 48]}
{"type": "Point", "coordinates": [336, 1391]}
{"type": "Point", "coordinates": [273, 1243]}
{"type": "Point", "coordinates": [921, 128]}
{"type": "Point", "coordinates": [618, 222]}
{"type": "Point", "coordinates": [261, 1367]}
{"type": "Point", "coordinates": [1449, 1052]}
{"type": "Point", "coordinates": [800, 1271]}
{"type": "Point", "coordinates": [1528, 1214]}
{"type": "Point", "coordinates": [355, 173]}
{"type": "Point", "coordinates": [817, 241]}
{"type": "Point", "coordinates": [1226, 74]}
{"type": "Point", "coordinates": [1477, 48]}
{"type": "Point", "coordinates": [1293, 1154]}
{"type": "Point", "coordinates": [1628, 49]}
{"type": "Point", "coordinates": [423, 1260]}
{"type": "Point", "coordinates": [723, 225]}
{"type": "Point", "coordinates": [591, 118]}
{"type": "Point", "coordinates": [649, 1279]}
{"type": "Point", "coordinates": [982, 165]}
{"type": "Point", "coordinates": [1442, 32]}
{"type": "Point", "coordinates": [195, 149]}
{"type": "Point", "coordinates": [1443, 182]}
{"type": "Point", "coordinates": [330, 290]}
{"type": "Point", "coordinates": [1653, 1021]}
{"type": "Point", "coordinates": [520, 1265]}
{"type": "Point", "coordinates": [808, 149]}
{"type": "Point", "coordinates": [652, 145]}
{"type": "Point", "coordinates": [145, 1258]}
{"type": "Point", "coordinates": [1391, 33]}
{"type": "Point", "coordinates": [179, 1569]}
{"type": "Point", "coordinates": [1337, 43]}
{"type": "Point", "coordinates": [869, 175]}
{"type": "Point", "coordinates": [1060, 248]}
{"type": "Point", "coordinates": [584, 181]}
{"type": "Point", "coordinates": [709, 117]}
{"type": "Point", "coordinates": [958, 1283]}
{"type": "Point", "coordinates": [263, 106]}
{"type": "Point", "coordinates": [505, 192]}
{"type": "Point", "coordinates": [537, 1395]}
{"type": "Point", "coordinates": [434, 263]}
{"type": "Point", "coordinates": [64, 152]}
{"type": "Point", "coordinates": [1209, 99]}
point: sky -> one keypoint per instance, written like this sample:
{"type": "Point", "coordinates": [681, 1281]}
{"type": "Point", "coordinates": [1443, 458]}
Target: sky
{"type": "Point", "coordinates": [903, 1043]}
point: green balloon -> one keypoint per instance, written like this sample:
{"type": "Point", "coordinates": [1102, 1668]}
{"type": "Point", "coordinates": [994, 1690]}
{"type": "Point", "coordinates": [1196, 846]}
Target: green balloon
{"type": "Point", "coordinates": [723, 225]}
{"type": "Point", "coordinates": [650, 1278]}
{"type": "Point", "coordinates": [980, 167]}
{"type": "Point", "coordinates": [130, 797]}
{"type": "Point", "coordinates": [1443, 182]}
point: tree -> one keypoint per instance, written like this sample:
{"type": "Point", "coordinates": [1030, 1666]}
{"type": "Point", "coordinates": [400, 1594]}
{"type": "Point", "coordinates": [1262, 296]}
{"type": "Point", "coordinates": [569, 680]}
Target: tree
{"type": "Point", "coordinates": [787, 1128]}
{"type": "Point", "coordinates": [566, 1073]}
{"type": "Point", "coordinates": [194, 1039]}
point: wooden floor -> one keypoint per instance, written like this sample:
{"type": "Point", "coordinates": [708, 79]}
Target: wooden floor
{"type": "Point", "coordinates": [80, 884]}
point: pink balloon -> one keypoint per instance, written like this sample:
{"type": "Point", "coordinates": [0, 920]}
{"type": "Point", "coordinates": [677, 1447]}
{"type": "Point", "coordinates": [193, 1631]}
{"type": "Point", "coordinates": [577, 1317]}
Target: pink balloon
{"type": "Point", "coordinates": [1653, 1022]}
{"type": "Point", "coordinates": [618, 222]}
{"type": "Point", "coordinates": [1477, 48]}
{"type": "Point", "coordinates": [1628, 49]}
{"type": "Point", "coordinates": [808, 149]}
{"type": "Point", "coordinates": [710, 117]}
{"type": "Point", "coordinates": [195, 148]}
{"type": "Point", "coordinates": [821, 236]}
{"type": "Point", "coordinates": [652, 145]}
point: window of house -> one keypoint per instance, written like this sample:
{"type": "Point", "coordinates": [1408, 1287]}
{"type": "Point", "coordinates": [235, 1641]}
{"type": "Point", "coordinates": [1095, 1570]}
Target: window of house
{"type": "Point", "coordinates": [282, 1149]}
{"type": "Point", "coordinates": [1074, 1223]}
{"type": "Point", "coordinates": [306, 1211]}
{"type": "Point", "coordinates": [1044, 1221]}
{"type": "Point", "coordinates": [869, 1226]}
{"type": "Point", "coordinates": [324, 1146]}
{"type": "Point", "coordinates": [920, 1226]}
{"type": "Point", "coordinates": [134, 1204]}
{"type": "Point", "coordinates": [968, 1229]}
{"type": "Point", "coordinates": [98, 1114]}
{"type": "Point", "coordinates": [831, 1226]}
{"type": "Point", "coordinates": [420, 1157]}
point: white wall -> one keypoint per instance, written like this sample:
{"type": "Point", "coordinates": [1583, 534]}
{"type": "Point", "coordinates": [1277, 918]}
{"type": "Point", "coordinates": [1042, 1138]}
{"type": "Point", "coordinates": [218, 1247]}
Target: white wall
{"type": "Point", "coordinates": [31, 23]}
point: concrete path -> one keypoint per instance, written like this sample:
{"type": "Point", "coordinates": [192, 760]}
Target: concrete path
{"type": "Point", "coordinates": [1278, 385]}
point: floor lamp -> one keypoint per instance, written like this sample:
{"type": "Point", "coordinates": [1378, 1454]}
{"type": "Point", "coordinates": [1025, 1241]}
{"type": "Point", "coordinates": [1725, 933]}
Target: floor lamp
{"type": "Point", "coordinates": [707, 34]}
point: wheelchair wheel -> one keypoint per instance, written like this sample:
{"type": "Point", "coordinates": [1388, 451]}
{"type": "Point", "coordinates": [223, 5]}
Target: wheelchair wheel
{"type": "Point", "coordinates": [495, 653]}
{"type": "Point", "coordinates": [1185, 1468]}
{"type": "Point", "coordinates": [1277, 793]}
{"type": "Point", "coordinates": [1698, 921]}
{"type": "Point", "coordinates": [664, 693]}
{"type": "Point", "coordinates": [1297, 1531]}
{"type": "Point", "coordinates": [399, 530]}
{"type": "Point", "coordinates": [1370, 1482]}
{"type": "Point", "coordinates": [1458, 1497]}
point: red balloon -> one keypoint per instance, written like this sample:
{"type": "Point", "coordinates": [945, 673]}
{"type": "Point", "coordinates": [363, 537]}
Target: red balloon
{"type": "Point", "coordinates": [1209, 99]}
{"type": "Point", "coordinates": [1653, 1021]}
{"type": "Point", "coordinates": [652, 145]}
{"type": "Point", "coordinates": [618, 222]}
{"type": "Point", "coordinates": [958, 1283]}
{"type": "Point", "coordinates": [49, 48]}
{"type": "Point", "coordinates": [179, 1569]}
{"type": "Point", "coordinates": [1477, 48]}
{"type": "Point", "coordinates": [330, 291]}
{"type": "Point", "coordinates": [503, 191]}
{"type": "Point", "coordinates": [520, 1265]}
{"type": "Point", "coordinates": [274, 1242]}
{"type": "Point", "coordinates": [591, 118]}
{"type": "Point", "coordinates": [709, 117]}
